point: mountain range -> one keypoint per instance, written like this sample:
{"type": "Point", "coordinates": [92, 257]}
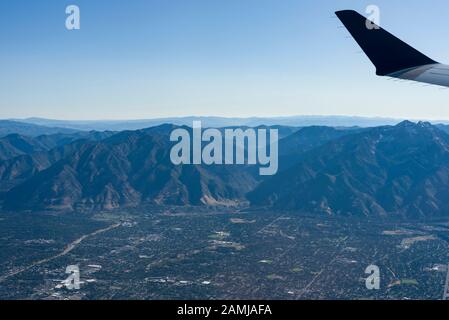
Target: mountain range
{"type": "Point", "coordinates": [126, 169]}
{"type": "Point", "coordinates": [400, 170]}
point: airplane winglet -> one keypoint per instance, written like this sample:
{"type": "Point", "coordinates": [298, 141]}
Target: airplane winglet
{"type": "Point", "coordinates": [388, 53]}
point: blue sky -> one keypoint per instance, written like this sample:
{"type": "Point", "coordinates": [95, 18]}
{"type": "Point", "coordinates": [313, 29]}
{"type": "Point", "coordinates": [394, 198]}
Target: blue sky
{"type": "Point", "coordinates": [156, 58]}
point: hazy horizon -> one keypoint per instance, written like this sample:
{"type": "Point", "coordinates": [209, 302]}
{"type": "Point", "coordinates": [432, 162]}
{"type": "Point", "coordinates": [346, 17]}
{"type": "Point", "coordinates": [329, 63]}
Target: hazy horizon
{"type": "Point", "coordinates": [274, 117]}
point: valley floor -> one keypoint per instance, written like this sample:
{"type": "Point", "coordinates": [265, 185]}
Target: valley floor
{"type": "Point", "coordinates": [165, 254]}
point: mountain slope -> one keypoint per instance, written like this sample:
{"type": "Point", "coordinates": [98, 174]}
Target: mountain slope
{"type": "Point", "coordinates": [401, 170]}
{"type": "Point", "coordinates": [294, 146]}
{"type": "Point", "coordinates": [22, 157]}
{"type": "Point", "coordinates": [15, 145]}
{"type": "Point", "coordinates": [128, 169]}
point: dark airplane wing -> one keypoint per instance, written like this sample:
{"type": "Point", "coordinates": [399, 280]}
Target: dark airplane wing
{"type": "Point", "coordinates": [391, 56]}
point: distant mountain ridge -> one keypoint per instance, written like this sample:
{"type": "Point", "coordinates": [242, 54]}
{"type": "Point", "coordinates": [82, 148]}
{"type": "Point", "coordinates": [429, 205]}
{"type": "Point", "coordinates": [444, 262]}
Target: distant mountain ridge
{"type": "Point", "coordinates": [8, 127]}
{"type": "Point", "coordinates": [216, 122]}
{"type": "Point", "coordinates": [15, 144]}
